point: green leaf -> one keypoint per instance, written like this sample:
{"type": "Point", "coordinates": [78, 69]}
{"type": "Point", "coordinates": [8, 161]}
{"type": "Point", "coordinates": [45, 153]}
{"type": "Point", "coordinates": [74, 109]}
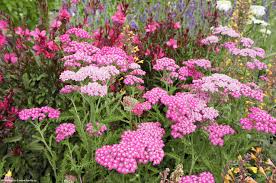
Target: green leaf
{"type": "Point", "coordinates": [13, 139]}
{"type": "Point", "coordinates": [25, 80]}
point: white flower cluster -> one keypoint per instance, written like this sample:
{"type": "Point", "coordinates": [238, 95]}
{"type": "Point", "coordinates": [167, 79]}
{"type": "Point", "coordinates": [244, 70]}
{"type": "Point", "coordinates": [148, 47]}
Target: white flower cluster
{"type": "Point", "coordinates": [224, 5]}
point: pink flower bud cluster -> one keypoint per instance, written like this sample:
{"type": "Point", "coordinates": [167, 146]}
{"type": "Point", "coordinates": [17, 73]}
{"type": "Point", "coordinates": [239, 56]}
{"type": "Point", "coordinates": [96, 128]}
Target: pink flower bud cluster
{"type": "Point", "coordinates": [64, 131]}
{"type": "Point", "coordinates": [81, 33]}
{"type": "Point", "coordinates": [223, 30]}
{"type": "Point", "coordinates": [217, 132]}
{"type": "Point", "coordinates": [260, 120]}
{"type": "Point", "coordinates": [94, 89]}
{"type": "Point", "coordinates": [224, 84]}
{"type": "Point", "coordinates": [210, 40]}
{"type": "Point", "coordinates": [143, 145]}
{"type": "Point", "coordinates": [39, 113]}
{"type": "Point", "coordinates": [99, 131]}
{"type": "Point", "coordinates": [165, 64]}
{"type": "Point", "coordinates": [256, 65]}
{"type": "Point", "coordinates": [204, 177]}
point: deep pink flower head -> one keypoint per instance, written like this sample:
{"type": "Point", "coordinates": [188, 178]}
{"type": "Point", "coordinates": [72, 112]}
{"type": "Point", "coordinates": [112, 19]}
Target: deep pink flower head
{"type": "Point", "coordinates": [64, 15]}
{"type": "Point", "coordinates": [217, 132]}
{"type": "Point", "coordinates": [64, 131]}
{"type": "Point", "coordinates": [143, 145]}
{"type": "Point", "coordinates": [119, 17]}
{"type": "Point", "coordinates": [38, 34]}
{"type": "Point", "coordinates": [260, 120]}
{"type": "Point", "coordinates": [3, 24]}
{"type": "Point", "coordinates": [177, 25]}
{"type": "Point", "coordinates": [2, 40]}
{"type": "Point", "coordinates": [10, 58]}
{"type": "Point", "coordinates": [204, 177]}
{"type": "Point", "coordinates": [38, 113]}
{"type": "Point", "coordinates": [172, 43]}
{"type": "Point", "coordinates": [165, 64]}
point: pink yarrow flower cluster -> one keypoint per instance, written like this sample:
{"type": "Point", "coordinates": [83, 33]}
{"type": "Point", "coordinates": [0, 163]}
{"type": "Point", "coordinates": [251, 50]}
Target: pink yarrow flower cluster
{"type": "Point", "coordinates": [79, 32]}
{"type": "Point", "coordinates": [143, 145]}
{"type": "Point", "coordinates": [204, 177]}
{"type": "Point", "coordinates": [210, 40]}
{"type": "Point", "coordinates": [256, 65]}
{"type": "Point", "coordinates": [98, 131]}
{"type": "Point", "coordinates": [165, 64]}
{"type": "Point", "coordinates": [183, 109]}
{"type": "Point", "coordinates": [217, 132]}
{"type": "Point", "coordinates": [223, 30]}
{"type": "Point", "coordinates": [39, 113]}
{"type": "Point", "coordinates": [224, 84]}
{"type": "Point", "coordinates": [260, 120]}
{"type": "Point", "coordinates": [94, 89]}
{"type": "Point", "coordinates": [64, 131]}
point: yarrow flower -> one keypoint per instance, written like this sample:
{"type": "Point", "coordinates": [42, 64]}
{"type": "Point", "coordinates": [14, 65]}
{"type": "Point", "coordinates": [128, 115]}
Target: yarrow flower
{"type": "Point", "coordinates": [143, 145]}
{"type": "Point", "coordinates": [260, 120]}
{"type": "Point", "coordinates": [224, 30]}
{"type": "Point", "coordinates": [94, 89]}
{"type": "Point", "coordinates": [64, 131]}
{"type": "Point", "coordinates": [39, 113]}
{"type": "Point", "coordinates": [210, 40]}
{"type": "Point", "coordinates": [256, 65]}
{"type": "Point", "coordinates": [217, 132]}
{"type": "Point", "coordinates": [224, 84]}
{"type": "Point", "coordinates": [99, 131]}
{"type": "Point", "coordinates": [257, 10]}
{"type": "Point", "coordinates": [224, 5]}
{"type": "Point", "coordinates": [183, 109]}
{"type": "Point", "coordinates": [204, 177]}
{"type": "Point", "coordinates": [165, 64]}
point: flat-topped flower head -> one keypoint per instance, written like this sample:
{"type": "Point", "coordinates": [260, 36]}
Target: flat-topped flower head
{"type": "Point", "coordinates": [64, 131]}
{"type": "Point", "coordinates": [143, 145]}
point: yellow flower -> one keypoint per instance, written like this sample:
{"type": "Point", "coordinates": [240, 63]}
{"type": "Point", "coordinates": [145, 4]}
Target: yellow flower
{"type": "Point", "coordinates": [9, 173]}
{"type": "Point", "coordinates": [141, 62]}
{"type": "Point", "coordinates": [136, 58]}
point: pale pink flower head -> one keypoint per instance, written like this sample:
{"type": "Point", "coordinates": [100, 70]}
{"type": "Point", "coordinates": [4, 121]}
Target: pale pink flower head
{"type": "Point", "coordinates": [172, 43]}
{"type": "Point", "coordinates": [10, 58]}
{"type": "Point", "coordinates": [177, 25]}
{"type": "Point", "coordinates": [119, 17]}
{"type": "Point", "coordinates": [3, 24]}
{"type": "Point", "coordinates": [210, 40]}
